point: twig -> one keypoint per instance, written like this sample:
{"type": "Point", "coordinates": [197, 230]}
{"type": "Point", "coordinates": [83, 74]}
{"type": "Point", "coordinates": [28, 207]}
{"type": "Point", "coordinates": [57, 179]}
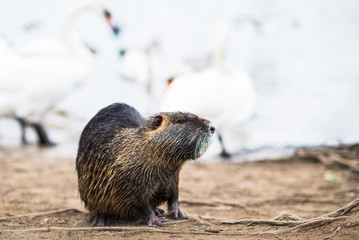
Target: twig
{"type": "Point", "coordinates": [295, 225]}
{"type": "Point", "coordinates": [198, 219]}
{"type": "Point", "coordinates": [175, 222]}
{"type": "Point", "coordinates": [47, 229]}
{"type": "Point", "coordinates": [147, 229]}
{"type": "Point", "coordinates": [277, 237]}
{"type": "Point", "coordinates": [310, 224]}
{"type": "Point", "coordinates": [121, 229]}
{"type": "Point", "coordinates": [212, 203]}
{"type": "Point", "coordinates": [289, 201]}
{"type": "Point", "coordinates": [263, 221]}
{"type": "Point", "coordinates": [213, 218]}
{"type": "Point", "coordinates": [300, 223]}
{"type": "Point", "coordinates": [41, 214]}
{"type": "Point", "coordinates": [337, 229]}
{"type": "Point", "coordinates": [326, 219]}
{"type": "Point", "coordinates": [344, 210]}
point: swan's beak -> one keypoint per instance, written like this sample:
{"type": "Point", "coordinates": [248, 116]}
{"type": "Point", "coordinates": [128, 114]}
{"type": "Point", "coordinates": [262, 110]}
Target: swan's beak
{"type": "Point", "coordinates": [115, 29]}
{"type": "Point", "coordinates": [170, 81]}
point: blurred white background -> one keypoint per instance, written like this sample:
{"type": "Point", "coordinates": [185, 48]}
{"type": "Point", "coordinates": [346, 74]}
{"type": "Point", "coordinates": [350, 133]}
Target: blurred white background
{"type": "Point", "coordinates": [303, 58]}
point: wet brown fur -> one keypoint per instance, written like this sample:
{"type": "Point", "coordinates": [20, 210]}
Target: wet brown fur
{"type": "Point", "coordinates": [127, 166]}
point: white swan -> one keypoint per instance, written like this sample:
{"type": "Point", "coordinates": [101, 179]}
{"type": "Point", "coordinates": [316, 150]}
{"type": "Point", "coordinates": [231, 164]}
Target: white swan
{"type": "Point", "coordinates": [70, 43]}
{"type": "Point", "coordinates": [225, 97]}
{"type": "Point", "coordinates": [30, 86]}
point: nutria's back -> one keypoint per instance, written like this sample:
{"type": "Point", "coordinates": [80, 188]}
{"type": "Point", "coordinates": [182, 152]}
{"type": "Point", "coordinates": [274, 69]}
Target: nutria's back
{"type": "Point", "coordinates": [128, 165]}
{"type": "Point", "coordinates": [108, 121]}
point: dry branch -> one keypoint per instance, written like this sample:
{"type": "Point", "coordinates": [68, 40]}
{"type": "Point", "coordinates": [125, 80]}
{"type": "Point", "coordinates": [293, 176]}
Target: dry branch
{"type": "Point", "coordinates": [47, 229]}
{"type": "Point", "coordinates": [214, 203]}
{"type": "Point", "coordinates": [41, 214]}
{"type": "Point", "coordinates": [344, 210]}
{"type": "Point", "coordinates": [295, 223]}
{"type": "Point", "coordinates": [262, 221]}
{"type": "Point", "coordinates": [300, 223]}
{"type": "Point", "coordinates": [310, 224]}
{"type": "Point", "coordinates": [198, 219]}
{"type": "Point", "coordinates": [115, 229]}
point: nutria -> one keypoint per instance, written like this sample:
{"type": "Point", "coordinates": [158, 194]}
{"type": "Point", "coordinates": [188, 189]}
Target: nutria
{"type": "Point", "coordinates": [127, 165]}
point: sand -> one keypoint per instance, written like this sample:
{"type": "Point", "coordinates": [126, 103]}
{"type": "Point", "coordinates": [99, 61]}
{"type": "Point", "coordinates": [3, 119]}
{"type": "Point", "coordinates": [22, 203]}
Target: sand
{"type": "Point", "coordinates": [269, 199]}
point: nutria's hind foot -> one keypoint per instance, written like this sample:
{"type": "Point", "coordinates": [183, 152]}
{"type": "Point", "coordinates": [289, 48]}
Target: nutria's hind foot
{"type": "Point", "coordinates": [157, 221]}
{"type": "Point", "coordinates": [100, 220]}
{"type": "Point", "coordinates": [176, 212]}
{"type": "Point", "coordinates": [153, 219]}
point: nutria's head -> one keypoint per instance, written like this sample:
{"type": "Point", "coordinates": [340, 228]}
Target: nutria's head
{"type": "Point", "coordinates": [178, 136]}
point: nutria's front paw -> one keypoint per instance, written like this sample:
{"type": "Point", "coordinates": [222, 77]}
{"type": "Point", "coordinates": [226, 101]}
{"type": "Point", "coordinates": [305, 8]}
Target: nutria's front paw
{"type": "Point", "coordinates": [176, 212]}
{"type": "Point", "coordinates": [157, 221]}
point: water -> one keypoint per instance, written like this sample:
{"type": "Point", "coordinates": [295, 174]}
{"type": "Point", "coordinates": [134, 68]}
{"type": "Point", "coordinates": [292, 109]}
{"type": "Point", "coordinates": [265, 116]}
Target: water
{"type": "Point", "coordinates": [303, 57]}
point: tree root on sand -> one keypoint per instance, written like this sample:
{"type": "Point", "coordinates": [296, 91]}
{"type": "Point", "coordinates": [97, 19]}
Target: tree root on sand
{"type": "Point", "coordinates": [294, 223]}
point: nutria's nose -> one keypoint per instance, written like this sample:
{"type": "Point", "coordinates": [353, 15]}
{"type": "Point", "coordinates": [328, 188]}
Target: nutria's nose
{"type": "Point", "coordinates": [212, 129]}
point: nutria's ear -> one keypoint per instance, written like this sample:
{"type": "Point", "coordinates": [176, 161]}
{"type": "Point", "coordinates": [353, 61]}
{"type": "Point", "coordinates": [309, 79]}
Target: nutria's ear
{"type": "Point", "coordinates": [156, 122]}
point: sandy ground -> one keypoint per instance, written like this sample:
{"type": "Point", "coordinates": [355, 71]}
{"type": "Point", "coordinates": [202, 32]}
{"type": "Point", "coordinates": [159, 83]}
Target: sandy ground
{"type": "Point", "coordinates": [39, 199]}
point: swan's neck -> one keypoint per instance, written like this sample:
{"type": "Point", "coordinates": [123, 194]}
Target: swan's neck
{"type": "Point", "coordinates": [220, 43]}
{"type": "Point", "coordinates": [69, 36]}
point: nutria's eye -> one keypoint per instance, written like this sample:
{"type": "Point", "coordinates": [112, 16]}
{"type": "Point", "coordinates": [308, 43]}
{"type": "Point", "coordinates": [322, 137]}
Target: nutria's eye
{"type": "Point", "coordinates": [181, 121]}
